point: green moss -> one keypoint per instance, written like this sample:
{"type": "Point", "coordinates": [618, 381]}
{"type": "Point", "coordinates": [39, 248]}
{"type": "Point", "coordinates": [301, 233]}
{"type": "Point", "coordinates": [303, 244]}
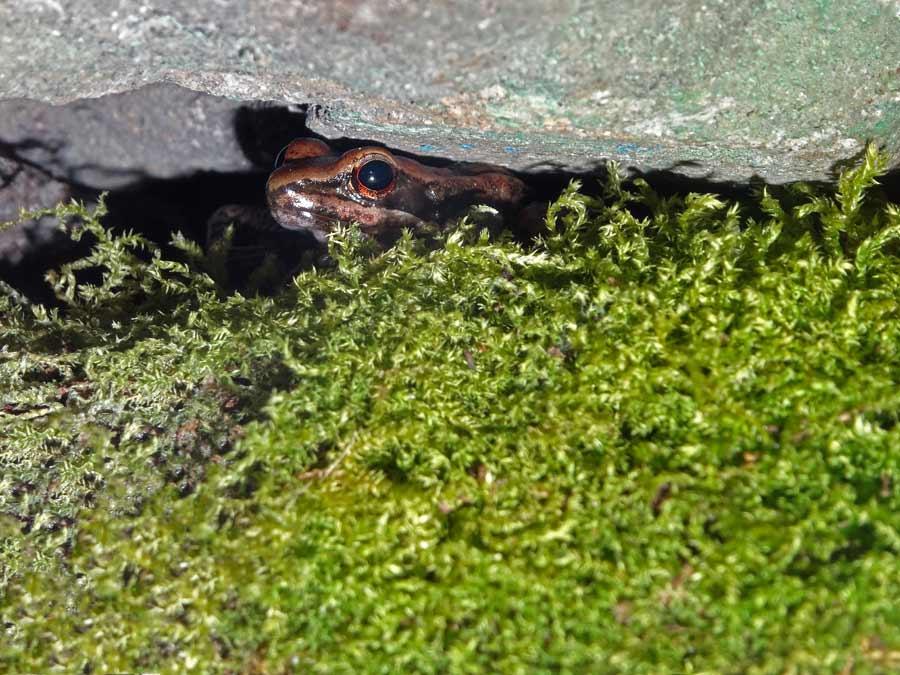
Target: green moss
{"type": "Point", "coordinates": [666, 444]}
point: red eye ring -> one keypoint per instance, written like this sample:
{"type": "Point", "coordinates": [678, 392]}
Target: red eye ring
{"type": "Point", "coordinates": [374, 178]}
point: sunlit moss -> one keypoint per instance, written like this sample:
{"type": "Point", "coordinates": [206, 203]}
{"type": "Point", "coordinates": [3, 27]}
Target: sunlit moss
{"type": "Point", "coordinates": [661, 444]}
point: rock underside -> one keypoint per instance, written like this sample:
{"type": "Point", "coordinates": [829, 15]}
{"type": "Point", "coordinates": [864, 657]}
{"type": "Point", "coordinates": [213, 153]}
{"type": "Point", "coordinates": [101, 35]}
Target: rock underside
{"type": "Point", "coordinates": [724, 90]}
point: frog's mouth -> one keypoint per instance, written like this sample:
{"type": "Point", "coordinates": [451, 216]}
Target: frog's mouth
{"type": "Point", "coordinates": [307, 221]}
{"type": "Point", "coordinates": [318, 213]}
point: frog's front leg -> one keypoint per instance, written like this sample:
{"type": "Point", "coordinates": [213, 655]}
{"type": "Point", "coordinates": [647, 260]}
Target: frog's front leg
{"type": "Point", "coordinates": [246, 249]}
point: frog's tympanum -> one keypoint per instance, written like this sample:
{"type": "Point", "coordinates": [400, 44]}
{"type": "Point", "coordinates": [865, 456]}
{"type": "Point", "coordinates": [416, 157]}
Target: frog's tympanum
{"type": "Point", "coordinates": [312, 187]}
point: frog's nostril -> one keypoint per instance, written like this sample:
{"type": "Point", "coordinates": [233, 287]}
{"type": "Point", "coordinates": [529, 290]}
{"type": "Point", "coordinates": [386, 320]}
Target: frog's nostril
{"type": "Point", "coordinates": [375, 178]}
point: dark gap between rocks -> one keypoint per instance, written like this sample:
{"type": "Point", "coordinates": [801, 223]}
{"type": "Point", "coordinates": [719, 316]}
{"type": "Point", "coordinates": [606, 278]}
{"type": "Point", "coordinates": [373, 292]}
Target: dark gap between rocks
{"type": "Point", "coordinates": [158, 207]}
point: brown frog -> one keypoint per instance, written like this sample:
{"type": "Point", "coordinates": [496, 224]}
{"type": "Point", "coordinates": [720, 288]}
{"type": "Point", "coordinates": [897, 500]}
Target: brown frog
{"type": "Point", "coordinates": [312, 187]}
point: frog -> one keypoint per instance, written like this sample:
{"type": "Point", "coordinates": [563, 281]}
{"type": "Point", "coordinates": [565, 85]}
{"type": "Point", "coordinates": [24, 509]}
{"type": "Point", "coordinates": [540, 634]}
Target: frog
{"type": "Point", "coordinates": [312, 187]}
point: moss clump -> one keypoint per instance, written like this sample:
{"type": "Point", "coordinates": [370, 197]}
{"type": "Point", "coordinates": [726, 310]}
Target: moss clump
{"type": "Point", "coordinates": [666, 444]}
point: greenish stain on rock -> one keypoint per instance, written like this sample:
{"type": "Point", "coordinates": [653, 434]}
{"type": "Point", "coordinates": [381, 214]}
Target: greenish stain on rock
{"type": "Point", "coordinates": [785, 88]}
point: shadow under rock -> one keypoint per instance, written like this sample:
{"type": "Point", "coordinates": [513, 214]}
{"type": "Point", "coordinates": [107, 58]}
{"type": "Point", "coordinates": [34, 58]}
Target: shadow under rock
{"type": "Point", "coordinates": [156, 207]}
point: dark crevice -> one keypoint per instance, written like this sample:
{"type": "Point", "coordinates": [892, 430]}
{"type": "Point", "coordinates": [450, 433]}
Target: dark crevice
{"type": "Point", "coordinates": [157, 207]}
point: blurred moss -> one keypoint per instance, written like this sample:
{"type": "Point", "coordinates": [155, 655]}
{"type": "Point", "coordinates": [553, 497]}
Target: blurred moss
{"type": "Point", "coordinates": [665, 443]}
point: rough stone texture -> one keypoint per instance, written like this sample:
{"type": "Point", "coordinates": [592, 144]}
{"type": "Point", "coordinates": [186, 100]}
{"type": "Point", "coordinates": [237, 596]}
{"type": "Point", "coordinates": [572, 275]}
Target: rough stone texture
{"type": "Point", "coordinates": [719, 88]}
{"type": "Point", "coordinates": [23, 187]}
{"type": "Point", "coordinates": [159, 131]}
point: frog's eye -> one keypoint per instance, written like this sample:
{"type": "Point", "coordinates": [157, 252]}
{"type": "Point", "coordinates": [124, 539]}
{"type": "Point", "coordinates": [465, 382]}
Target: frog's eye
{"type": "Point", "coordinates": [374, 178]}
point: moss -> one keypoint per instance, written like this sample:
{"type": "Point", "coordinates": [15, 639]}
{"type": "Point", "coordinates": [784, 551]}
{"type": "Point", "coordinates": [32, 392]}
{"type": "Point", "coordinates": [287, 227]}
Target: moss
{"type": "Point", "coordinates": [658, 444]}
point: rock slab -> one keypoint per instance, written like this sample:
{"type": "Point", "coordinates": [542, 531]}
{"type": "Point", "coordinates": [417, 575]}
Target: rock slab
{"type": "Point", "coordinates": [724, 89]}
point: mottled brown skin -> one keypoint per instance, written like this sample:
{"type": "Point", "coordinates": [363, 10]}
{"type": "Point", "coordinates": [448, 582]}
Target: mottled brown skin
{"type": "Point", "coordinates": [314, 188]}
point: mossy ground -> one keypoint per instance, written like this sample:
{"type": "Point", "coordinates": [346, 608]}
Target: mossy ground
{"type": "Point", "coordinates": [657, 444]}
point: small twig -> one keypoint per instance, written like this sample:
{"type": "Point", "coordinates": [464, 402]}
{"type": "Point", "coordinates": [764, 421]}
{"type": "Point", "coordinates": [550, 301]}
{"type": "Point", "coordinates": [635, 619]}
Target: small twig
{"type": "Point", "coordinates": [331, 468]}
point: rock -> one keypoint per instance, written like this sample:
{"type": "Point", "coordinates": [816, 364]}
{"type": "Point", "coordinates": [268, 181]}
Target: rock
{"type": "Point", "coordinates": [723, 89]}
{"type": "Point", "coordinates": [24, 187]}
{"type": "Point", "coordinates": [159, 131]}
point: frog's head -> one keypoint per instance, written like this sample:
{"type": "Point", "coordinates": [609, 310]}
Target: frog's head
{"type": "Point", "coordinates": [312, 187]}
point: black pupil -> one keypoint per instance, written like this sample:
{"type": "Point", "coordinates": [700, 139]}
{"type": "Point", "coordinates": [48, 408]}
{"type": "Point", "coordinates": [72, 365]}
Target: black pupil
{"type": "Point", "coordinates": [376, 175]}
